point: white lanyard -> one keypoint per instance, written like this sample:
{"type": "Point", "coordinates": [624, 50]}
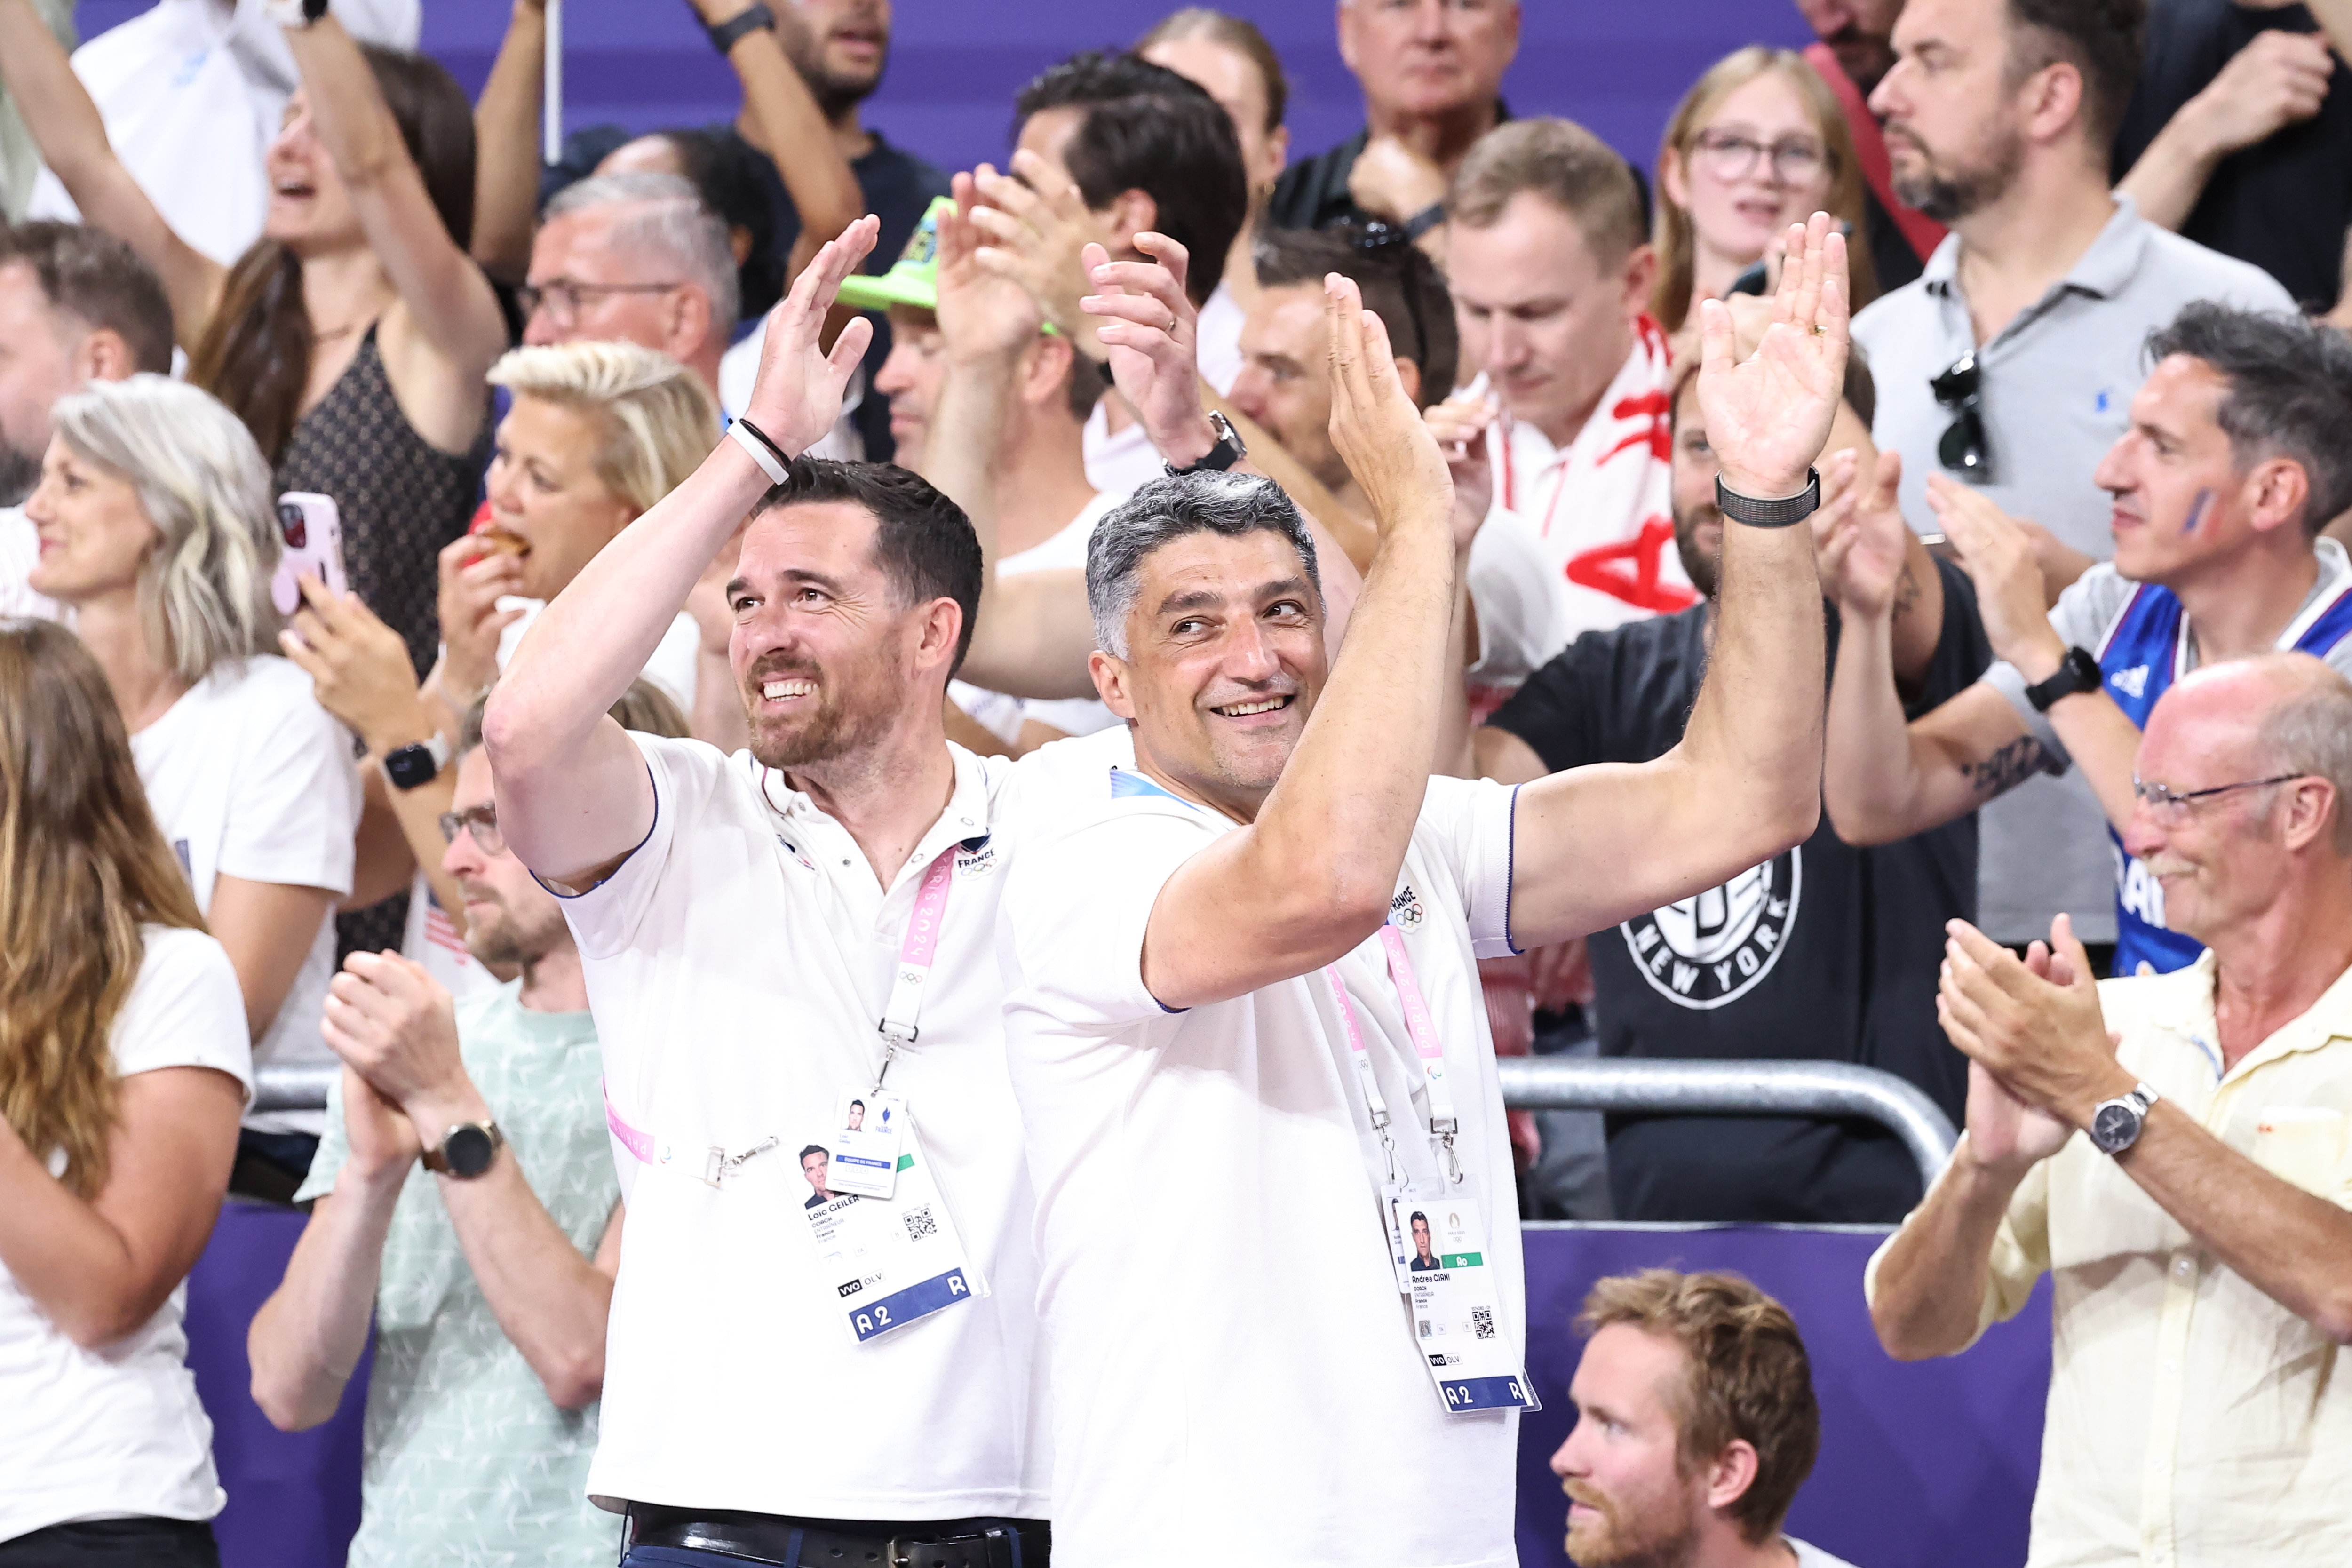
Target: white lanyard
{"type": "Point", "coordinates": [1442, 1124]}
{"type": "Point", "coordinates": [899, 1026]}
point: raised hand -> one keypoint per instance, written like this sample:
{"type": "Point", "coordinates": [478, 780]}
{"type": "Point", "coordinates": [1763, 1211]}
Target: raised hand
{"type": "Point", "coordinates": [474, 575]}
{"type": "Point", "coordinates": [1460, 425]}
{"type": "Point", "coordinates": [1034, 225]}
{"type": "Point", "coordinates": [1151, 331]}
{"type": "Point", "coordinates": [982, 313]}
{"type": "Point", "coordinates": [1860, 539]}
{"type": "Point", "coordinates": [797, 396]}
{"type": "Point", "coordinates": [1768, 415]}
{"type": "Point", "coordinates": [2276, 80]}
{"type": "Point", "coordinates": [358, 667]}
{"type": "Point", "coordinates": [1375, 428]}
{"type": "Point", "coordinates": [1999, 554]}
{"type": "Point", "coordinates": [2039, 1035]}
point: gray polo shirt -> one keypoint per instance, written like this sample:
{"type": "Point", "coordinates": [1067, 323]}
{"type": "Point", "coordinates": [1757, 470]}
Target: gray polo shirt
{"type": "Point", "coordinates": [2056, 385]}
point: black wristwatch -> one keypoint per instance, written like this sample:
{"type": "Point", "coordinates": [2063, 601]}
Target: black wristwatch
{"type": "Point", "coordinates": [466, 1150]}
{"type": "Point", "coordinates": [1780, 512]}
{"type": "Point", "coordinates": [1425, 220]}
{"type": "Point", "coordinates": [733, 31]}
{"type": "Point", "coordinates": [417, 765]}
{"type": "Point", "coordinates": [1222, 457]}
{"type": "Point", "coordinates": [2116, 1123]}
{"type": "Point", "coordinates": [2078, 671]}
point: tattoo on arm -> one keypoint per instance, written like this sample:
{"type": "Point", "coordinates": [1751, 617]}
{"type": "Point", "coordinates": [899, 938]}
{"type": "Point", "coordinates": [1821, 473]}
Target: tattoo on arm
{"type": "Point", "coordinates": [2009, 766]}
{"type": "Point", "coordinates": [1906, 593]}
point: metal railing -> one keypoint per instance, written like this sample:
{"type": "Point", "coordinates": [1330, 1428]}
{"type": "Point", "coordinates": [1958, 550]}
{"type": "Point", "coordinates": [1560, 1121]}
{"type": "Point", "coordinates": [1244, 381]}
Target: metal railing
{"type": "Point", "coordinates": [1639, 1085]}
{"type": "Point", "coordinates": [1567, 1083]}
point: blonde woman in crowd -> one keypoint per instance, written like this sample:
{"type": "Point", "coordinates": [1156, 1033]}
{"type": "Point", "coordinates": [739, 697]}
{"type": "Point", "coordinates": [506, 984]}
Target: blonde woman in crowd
{"type": "Point", "coordinates": [1756, 145]}
{"type": "Point", "coordinates": [123, 1067]}
{"type": "Point", "coordinates": [157, 530]}
{"type": "Point", "coordinates": [598, 433]}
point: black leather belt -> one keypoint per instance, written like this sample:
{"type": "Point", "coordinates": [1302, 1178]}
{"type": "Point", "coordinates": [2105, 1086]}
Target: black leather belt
{"type": "Point", "coordinates": [833, 1543]}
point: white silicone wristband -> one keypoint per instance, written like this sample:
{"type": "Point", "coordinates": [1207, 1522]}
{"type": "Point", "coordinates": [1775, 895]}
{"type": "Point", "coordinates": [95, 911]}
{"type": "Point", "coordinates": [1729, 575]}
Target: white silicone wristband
{"type": "Point", "coordinates": [769, 465]}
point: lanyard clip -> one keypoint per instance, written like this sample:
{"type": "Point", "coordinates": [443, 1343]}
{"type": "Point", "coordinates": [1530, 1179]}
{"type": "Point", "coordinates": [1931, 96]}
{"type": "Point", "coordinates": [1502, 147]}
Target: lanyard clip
{"type": "Point", "coordinates": [1388, 1145]}
{"type": "Point", "coordinates": [1443, 1130]}
{"type": "Point", "coordinates": [720, 1165]}
{"type": "Point", "coordinates": [891, 1040]}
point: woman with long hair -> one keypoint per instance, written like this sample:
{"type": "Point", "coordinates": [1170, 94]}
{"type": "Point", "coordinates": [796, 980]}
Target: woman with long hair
{"type": "Point", "coordinates": [353, 336]}
{"type": "Point", "coordinates": [123, 1067]}
{"type": "Point", "coordinates": [157, 530]}
{"type": "Point", "coordinates": [1758, 143]}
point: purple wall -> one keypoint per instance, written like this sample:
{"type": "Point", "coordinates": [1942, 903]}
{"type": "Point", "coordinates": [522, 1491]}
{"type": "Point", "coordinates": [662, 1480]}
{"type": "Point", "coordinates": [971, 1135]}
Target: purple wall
{"type": "Point", "coordinates": [956, 64]}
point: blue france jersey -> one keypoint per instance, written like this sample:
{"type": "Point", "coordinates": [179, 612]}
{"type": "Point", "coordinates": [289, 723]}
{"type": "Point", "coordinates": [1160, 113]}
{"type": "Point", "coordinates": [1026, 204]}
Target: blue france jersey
{"type": "Point", "coordinates": [2143, 653]}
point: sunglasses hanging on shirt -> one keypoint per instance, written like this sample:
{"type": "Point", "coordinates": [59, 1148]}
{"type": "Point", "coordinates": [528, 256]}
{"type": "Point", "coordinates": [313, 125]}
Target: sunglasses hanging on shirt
{"type": "Point", "coordinates": [1963, 449]}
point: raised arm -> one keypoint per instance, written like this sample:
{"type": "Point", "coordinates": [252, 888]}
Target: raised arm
{"type": "Point", "coordinates": [1596, 845]}
{"type": "Point", "coordinates": [1275, 900]}
{"type": "Point", "coordinates": [573, 791]}
{"type": "Point", "coordinates": [785, 123]}
{"type": "Point", "coordinates": [505, 146]}
{"type": "Point", "coordinates": [447, 329]}
{"type": "Point", "coordinates": [73, 139]}
{"type": "Point", "coordinates": [2278, 79]}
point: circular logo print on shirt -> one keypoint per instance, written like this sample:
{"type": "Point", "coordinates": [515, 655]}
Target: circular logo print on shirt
{"type": "Point", "coordinates": [1705, 952]}
{"type": "Point", "coordinates": [1406, 913]}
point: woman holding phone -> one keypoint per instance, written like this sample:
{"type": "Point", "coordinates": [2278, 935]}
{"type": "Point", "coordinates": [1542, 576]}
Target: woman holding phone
{"type": "Point", "coordinates": [157, 528]}
{"type": "Point", "coordinates": [124, 1065]}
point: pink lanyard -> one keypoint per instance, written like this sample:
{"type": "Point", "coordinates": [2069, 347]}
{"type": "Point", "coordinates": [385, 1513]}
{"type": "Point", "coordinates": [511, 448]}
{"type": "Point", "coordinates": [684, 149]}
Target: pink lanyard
{"type": "Point", "coordinates": [898, 1027]}
{"type": "Point", "coordinates": [1442, 1124]}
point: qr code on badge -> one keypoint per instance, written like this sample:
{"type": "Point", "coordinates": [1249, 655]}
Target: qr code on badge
{"type": "Point", "coordinates": [920, 1222]}
{"type": "Point", "coordinates": [1482, 1323]}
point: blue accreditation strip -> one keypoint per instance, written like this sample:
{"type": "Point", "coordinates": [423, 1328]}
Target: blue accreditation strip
{"type": "Point", "coordinates": [1465, 1394]}
{"type": "Point", "coordinates": [903, 1307]}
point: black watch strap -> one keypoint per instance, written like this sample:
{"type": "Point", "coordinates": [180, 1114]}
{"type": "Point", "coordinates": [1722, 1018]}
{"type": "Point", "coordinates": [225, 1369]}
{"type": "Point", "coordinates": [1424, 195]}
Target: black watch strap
{"type": "Point", "coordinates": [2078, 671]}
{"type": "Point", "coordinates": [1222, 457]}
{"type": "Point", "coordinates": [1783, 511]}
{"type": "Point", "coordinates": [733, 31]}
{"type": "Point", "coordinates": [1425, 220]}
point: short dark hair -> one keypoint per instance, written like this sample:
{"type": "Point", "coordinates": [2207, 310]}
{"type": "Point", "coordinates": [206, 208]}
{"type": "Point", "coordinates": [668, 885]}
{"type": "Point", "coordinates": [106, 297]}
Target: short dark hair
{"type": "Point", "coordinates": [922, 540]}
{"type": "Point", "coordinates": [2289, 396]}
{"type": "Point", "coordinates": [1166, 509]}
{"type": "Point", "coordinates": [1568, 167]}
{"type": "Point", "coordinates": [97, 279]}
{"type": "Point", "coordinates": [728, 175]}
{"type": "Point", "coordinates": [1147, 128]}
{"type": "Point", "coordinates": [1236, 33]}
{"type": "Point", "coordinates": [1400, 285]}
{"type": "Point", "coordinates": [814, 1149]}
{"type": "Point", "coordinates": [2103, 39]}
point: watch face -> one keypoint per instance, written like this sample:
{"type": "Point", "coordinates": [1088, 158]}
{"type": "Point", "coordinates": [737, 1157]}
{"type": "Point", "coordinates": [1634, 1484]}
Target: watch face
{"type": "Point", "coordinates": [469, 1150]}
{"type": "Point", "coordinates": [411, 766]}
{"type": "Point", "coordinates": [2114, 1127]}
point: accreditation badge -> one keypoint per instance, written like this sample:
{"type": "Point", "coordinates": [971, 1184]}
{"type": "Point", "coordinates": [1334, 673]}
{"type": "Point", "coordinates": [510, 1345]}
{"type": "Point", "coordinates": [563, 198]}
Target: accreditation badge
{"type": "Point", "coordinates": [1451, 1296]}
{"type": "Point", "coordinates": [864, 1146]}
{"type": "Point", "coordinates": [883, 1263]}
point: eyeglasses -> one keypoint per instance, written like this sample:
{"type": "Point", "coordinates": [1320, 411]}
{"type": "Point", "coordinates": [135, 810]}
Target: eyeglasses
{"type": "Point", "coordinates": [482, 821]}
{"type": "Point", "coordinates": [1381, 242]}
{"type": "Point", "coordinates": [1963, 449]}
{"type": "Point", "coordinates": [2172, 807]}
{"type": "Point", "coordinates": [1728, 155]}
{"type": "Point", "coordinates": [562, 296]}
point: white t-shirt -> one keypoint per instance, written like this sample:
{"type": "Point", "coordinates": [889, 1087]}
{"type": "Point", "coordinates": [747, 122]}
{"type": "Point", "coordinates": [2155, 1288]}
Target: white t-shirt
{"type": "Point", "coordinates": [1232, 1359]}
{"type": "Point", "coordinates": [250, 777]}
{"type": "Point", "coordinates": [1812, 1556]}
{"type": "Point", "coordinates": [1118, 462]}
{"type": "Point", "coordinates": [738, 963]}
{"type": "Point", "coordinates": [1004, 716]}
{"type": "Point", "coordinates": [118, 1431]}
{"type": "Point", "coordinates": [20, 552]}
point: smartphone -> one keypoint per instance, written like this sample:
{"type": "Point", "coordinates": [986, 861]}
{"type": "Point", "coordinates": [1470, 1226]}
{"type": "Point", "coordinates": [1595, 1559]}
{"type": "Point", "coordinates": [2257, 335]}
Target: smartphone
{"type": "Point", "coordinates": [311, 529]}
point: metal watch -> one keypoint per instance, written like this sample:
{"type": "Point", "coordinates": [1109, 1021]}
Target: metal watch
{"type": "Point", "coordinates": [414, 765]}
{"type": "Point", "coordinates": [466, 1150]}
{"type": "Point", "coordinates": [1782, 511]}
{"type": "Point", "coordinates": [732, 31]}
{"type": "Point", "coordinates": [2116, 1123]}
{"type": "Point", "coordinates": [1222, 457]}
{"type": "Point", "coordinates": [2077, 671]}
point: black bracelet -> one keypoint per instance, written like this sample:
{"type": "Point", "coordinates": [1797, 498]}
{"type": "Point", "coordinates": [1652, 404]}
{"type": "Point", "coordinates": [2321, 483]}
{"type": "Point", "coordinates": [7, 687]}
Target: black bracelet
{"type": "Point", "coordinates": [732, 31]}
{"type": "Point", "coordinates": [1425, 220]}
{"type": "Point", "coordinates": [1780, 511]}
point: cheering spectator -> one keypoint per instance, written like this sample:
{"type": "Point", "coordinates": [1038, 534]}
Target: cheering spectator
{"type": "Point", "coordinates": [1756, 145]}
{"type": "Point", "coordinates": [75, 306]}
{"type": "Point", "coordinates": [1234, 64]}
{"type": "Point", "coordinates": [1823, 952]}
{"type": "Point", "coordinates": [2012, 362]}
{"type": "Point", "coordinates": [353, 336]}
{"type": "Point", "coordinates": [1432, 71]}
{"type": "Point", "coordinates": [2239, 450]}
{"type": "Point", "coordinates": [2235, 138]}
{"type": "Point", "coordinates": [1853, 52]}
{"type": "Point", "coordinates": [1110, 147]}
{"type": "Point", "coordinates": [20, 159]}
{"type": "Point", "coordinates": [2196, 1232]}
{"type": "Point", "coordinates": [597, 435]}
{"type": "Point", "coordinates": [1551, 279]}
{"type": "Point", "coordinates": [157, 531]}
{"type": "Point", "coordinates": [1696, 1423]}
{"type": "Point", "coordinates": [487, 1282]}
{"type": "Point", "coordinates": [124, 1065]}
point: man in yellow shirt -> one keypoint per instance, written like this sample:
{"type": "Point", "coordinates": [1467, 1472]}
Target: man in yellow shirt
{"type": "Point", "coordinates": [2173, 1150]}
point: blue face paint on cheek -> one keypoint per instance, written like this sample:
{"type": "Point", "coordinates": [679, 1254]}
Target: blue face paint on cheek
{"type": "Point", "coordinates": [2196, 512]}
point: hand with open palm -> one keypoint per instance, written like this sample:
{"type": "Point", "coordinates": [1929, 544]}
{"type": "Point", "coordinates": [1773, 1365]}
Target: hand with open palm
{"type": "Point", "coordinates": [797, 396]}
{"type": "Point", "coordinates": [1767, 416]}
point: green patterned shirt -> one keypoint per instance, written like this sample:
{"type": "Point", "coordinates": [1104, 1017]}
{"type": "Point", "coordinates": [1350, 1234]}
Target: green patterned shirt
{"type": "Point", "coordinates": [465, 1459]}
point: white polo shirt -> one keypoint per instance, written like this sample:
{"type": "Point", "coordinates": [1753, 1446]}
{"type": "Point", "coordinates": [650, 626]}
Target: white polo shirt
{"type": "Point", "coordinates": [1232, 1359]}
{"type": "Point", "coordinates": [737, 964]}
